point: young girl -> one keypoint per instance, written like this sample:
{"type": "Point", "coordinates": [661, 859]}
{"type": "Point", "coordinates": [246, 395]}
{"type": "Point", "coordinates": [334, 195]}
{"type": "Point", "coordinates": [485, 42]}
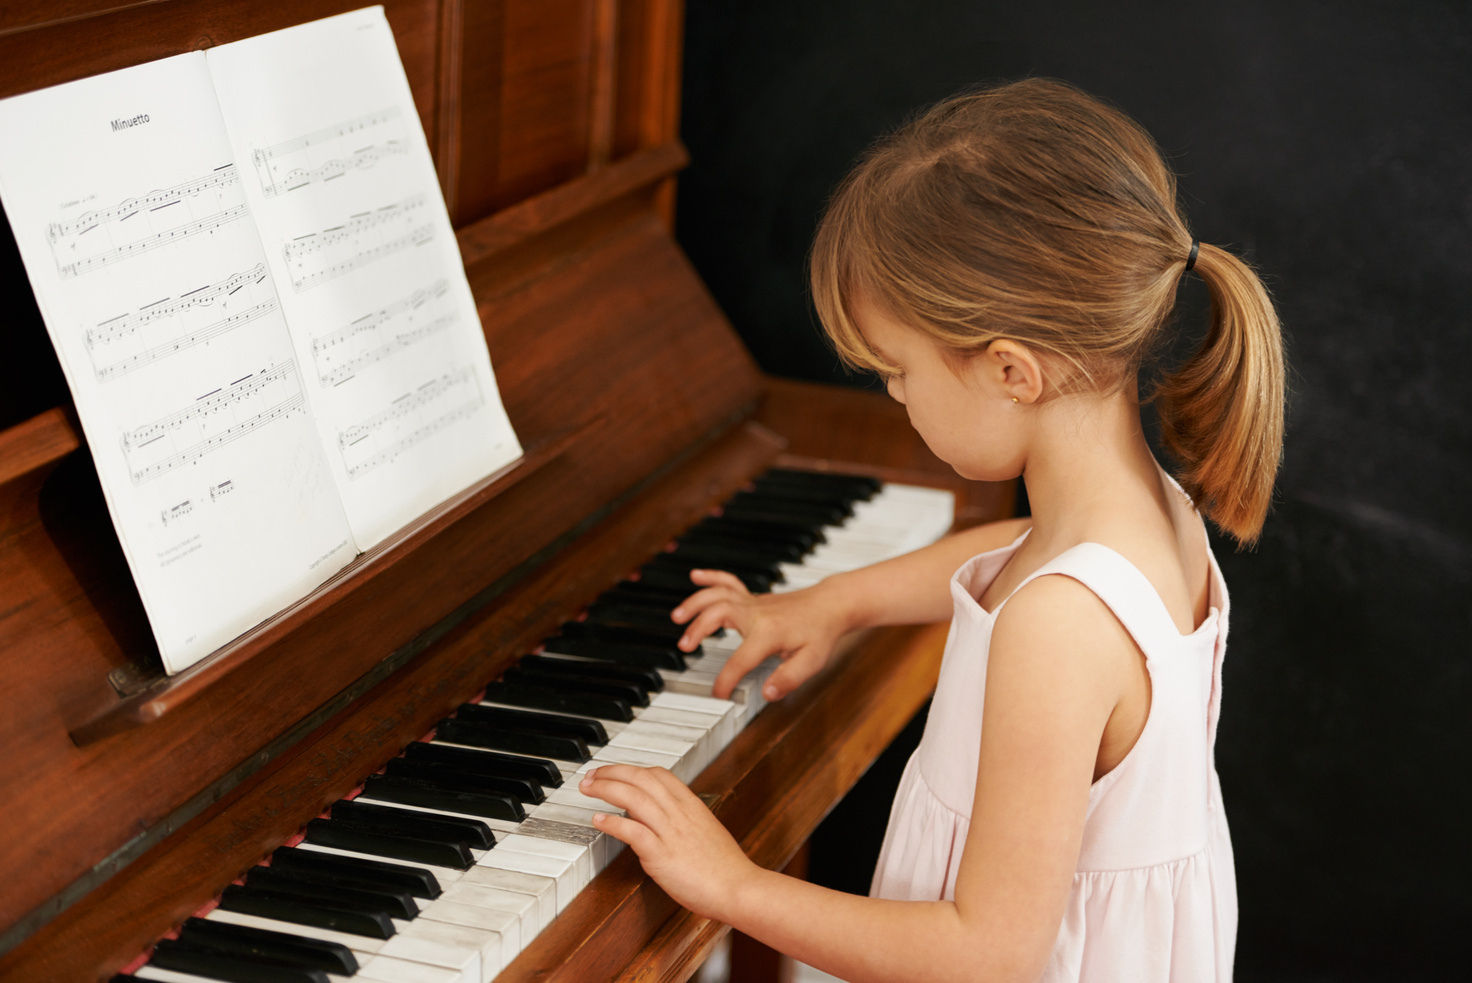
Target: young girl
{"type": "Point", "coordinates": [1008, 262]}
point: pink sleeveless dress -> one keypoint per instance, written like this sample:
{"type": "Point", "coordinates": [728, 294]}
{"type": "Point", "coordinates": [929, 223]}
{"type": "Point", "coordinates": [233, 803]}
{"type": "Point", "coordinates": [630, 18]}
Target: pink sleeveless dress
{"type": "Point", "coordinates": [1154, 897]}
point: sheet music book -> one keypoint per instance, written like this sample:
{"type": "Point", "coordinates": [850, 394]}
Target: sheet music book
{"type": "Point", "coordinates": [246, 266]}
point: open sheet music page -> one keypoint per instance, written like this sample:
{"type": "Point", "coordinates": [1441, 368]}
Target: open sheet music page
{"type": "Point", "coordinates": [131, 214]}
{"type": "Point", "coordinates": [337, 170]}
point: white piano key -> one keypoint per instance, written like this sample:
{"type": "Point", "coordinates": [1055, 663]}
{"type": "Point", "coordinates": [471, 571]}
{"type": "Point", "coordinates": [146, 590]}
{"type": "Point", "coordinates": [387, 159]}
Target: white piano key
{"type": "Point", "coordinates": [524, 908]}
{"type": "Point", "coordinates": [473, 951]}
{"type": "Point", "coordinates": [162, 975]}
{"type": "Point", "coordinates": [464, 960]}
{"type": "Point", "coordinates": [387, 969]}
{"type": "Point", "coordinates": [580, 854]}
{"type": "Point", "coordinates": [543, 889]}
{"type": "Point", "coordinates": [505, 923]}
{"type": "Point", "coordinates": [565, 873]}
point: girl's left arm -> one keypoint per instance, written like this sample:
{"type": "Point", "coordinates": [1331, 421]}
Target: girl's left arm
{"type": "Point", "coordinates": [1054, 676]}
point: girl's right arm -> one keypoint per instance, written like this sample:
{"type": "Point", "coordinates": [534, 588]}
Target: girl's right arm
{"type": "Point", "coordinates": [803, 626]}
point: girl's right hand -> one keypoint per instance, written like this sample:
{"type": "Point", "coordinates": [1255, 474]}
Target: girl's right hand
{"type": "Point", "coordinates": [801, 627]}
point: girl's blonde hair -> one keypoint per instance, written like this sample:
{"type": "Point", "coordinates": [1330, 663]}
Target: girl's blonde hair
{"type": "Point", "coordinates": [1032, 211]}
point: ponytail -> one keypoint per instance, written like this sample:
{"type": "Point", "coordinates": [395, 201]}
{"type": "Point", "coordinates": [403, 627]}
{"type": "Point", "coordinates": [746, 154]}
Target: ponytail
{"type": "Point", "coordinates": [1033, 211]}
{"type": "Point", "coordinates": [1221, 413]}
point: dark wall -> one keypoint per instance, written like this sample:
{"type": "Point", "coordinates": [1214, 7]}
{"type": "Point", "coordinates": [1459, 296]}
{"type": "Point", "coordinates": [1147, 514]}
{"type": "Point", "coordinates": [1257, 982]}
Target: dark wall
{"type": "Point", "coordinates": [1331, 143]}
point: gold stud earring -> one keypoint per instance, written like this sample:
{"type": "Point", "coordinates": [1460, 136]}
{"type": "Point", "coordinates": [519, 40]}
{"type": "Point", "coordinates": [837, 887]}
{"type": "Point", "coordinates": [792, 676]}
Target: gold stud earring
{"type": "Point", "coordinates": [1014, 399]}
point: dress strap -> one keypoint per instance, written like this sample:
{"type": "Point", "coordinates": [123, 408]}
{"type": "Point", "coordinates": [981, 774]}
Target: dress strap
{"type": "Point", "coordinates": [1127, 592]}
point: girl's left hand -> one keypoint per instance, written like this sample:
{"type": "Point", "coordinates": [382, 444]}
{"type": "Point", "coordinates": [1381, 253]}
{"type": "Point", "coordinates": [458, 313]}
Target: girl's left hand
{"type": "Point", "coordinates": [678, 840]}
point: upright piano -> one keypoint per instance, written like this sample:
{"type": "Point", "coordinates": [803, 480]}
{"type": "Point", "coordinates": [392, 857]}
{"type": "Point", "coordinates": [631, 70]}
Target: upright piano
{"type": "Point", "coordinates": [129, 799]}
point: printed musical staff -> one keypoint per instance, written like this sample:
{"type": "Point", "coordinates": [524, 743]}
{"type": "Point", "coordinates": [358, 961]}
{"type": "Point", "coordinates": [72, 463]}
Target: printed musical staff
{"type": "Point", "coordinates": [169, 326]}
{"type": "Point", "coordinates": [185, 436]}
{"type": "Point", "coordinates": [139, 225]}
{"type": "Point", "coordinates": [364, 238]}
{"type": "Point", "coordinates": [330, 153]}
{"type": "Point", "coordinates": [408, 420]}
{"type": "Point", "coordinates": [374, 337]}
{"type": "Point", "coordinates": [207, 333]}
{"type": "Point", "coordinates": [128, 324]}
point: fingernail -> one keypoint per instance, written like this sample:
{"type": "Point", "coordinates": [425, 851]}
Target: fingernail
{"type": "Point", "coordinates": [770, 692]}
{"type": "Point", "coordinates": [677, 613]}
{"type": "Point", "coordinates": [585, 782]}
{"type": "Point", "coordinates": [598, 817]}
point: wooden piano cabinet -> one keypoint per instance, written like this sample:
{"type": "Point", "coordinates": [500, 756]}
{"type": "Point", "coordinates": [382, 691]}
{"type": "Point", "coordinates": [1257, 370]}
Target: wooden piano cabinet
{"type": "Point", "coordinates": [128, 799]}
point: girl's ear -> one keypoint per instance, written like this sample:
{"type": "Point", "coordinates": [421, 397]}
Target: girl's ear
{"type": "Point", "coordinates": [1014, 369]}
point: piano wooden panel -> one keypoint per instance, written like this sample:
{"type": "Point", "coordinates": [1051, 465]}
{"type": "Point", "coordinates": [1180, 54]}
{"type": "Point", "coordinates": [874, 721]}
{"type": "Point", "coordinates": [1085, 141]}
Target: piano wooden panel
{"type": "Point", "coordinates": [128, 799]}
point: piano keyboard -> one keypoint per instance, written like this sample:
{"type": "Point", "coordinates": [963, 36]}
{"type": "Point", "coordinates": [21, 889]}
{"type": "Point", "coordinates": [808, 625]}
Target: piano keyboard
{"type": "Point", "coordinates": [444, 866]}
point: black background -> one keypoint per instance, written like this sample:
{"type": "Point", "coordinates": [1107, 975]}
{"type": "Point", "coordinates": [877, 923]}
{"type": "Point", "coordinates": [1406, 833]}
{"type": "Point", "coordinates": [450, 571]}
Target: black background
{"type": "Point", "coordinates": [1331, 144]}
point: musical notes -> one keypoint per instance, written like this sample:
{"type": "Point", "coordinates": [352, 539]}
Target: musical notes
{"type": "Point", "coordinates": [364, 238]}
{"type": "Point", "coordinates": [139, 225]}
{"type": "Point", "coordinates": [162, 328]}
{"type": "Point", "coordinates": [374, 337]}
{"type": "Point", "coordinates": [212, 421]}
{"type": "Point", "coordinates": [411, 418]}
{"type": "Point", "coordinates": [330, 153]}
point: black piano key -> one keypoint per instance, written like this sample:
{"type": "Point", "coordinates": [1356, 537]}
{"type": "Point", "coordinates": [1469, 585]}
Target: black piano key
{"type": "Point", "coordinates": [233, 967]}
{"type": "Point", "coordinates": [828, 513]}
{"type": "Point", "coordinates": [454, 779]}
{"type": "Point", "coordinates": [673, 575]}
{"type": "Point", "coordinates": [586, 729]}
{"type": "Point", "coordinates": [645, 656]}
{"type": "Point", "coordinates": [653, 623]}
{"type": "Point", "coordinates": [331, 957]}
{"type": "Point", "coordinates": [665, 635]}
{"type": "Point", "coordinates": [491, 763]}
{"type": "Point", "coordinates": [706, 556]}
{"type": "Point", "coordinates": [755, 577]}
{"type": "Point", "coordinates": [286, 909]}
{"type": "Point", "coordinates": [767, 551]}
{"type": "Point", "coordinates": [426, 825]}
{"type": "Point", "coordinates": [803, 492]}
{"type": "Point", "coordinates": [633, 693]}
{"type": "Point", "coordinates": [647, 678]}
{"type": "Point", "coordinates": [755, 531]}
{"type": "Point", "coordinates": [313, 887]}
{"type": "Point", "coordinates": [547, 698]}
{"type": "Point", "coordinates": [371, 874]}
{"type": "Point", "coordinates": [434, 795]}
{"type": "Point", "coordinates": [767, 515]}
{"type": "Point", "coordinates": [517, 742]}
{"type": "Point", "coordinates": [634, 592]}
{"type": "Point", "coordinates": [365, 839]}
{"type": "Point", "coordinates": [864, 482]}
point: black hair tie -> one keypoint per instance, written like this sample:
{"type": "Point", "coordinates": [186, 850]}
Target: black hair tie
{"type": "Point", "coordinates": [1191, 259]}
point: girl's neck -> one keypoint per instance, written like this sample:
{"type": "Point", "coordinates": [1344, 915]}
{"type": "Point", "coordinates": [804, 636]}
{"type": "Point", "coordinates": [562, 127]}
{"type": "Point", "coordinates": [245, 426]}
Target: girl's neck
{"type": "Point", "coordinates": [1089, 468]}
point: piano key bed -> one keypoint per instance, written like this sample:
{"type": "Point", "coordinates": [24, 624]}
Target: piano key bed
{"type": "Point", "coordinates": [444, 866]}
